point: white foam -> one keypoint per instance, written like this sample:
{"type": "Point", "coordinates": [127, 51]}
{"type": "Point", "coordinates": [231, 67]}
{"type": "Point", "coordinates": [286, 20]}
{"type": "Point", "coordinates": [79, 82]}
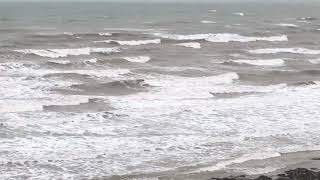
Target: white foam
{"type": "Point", "coordinates": [134, 42]}
{"type": "Point", "coordinates": [245, 158]}
{"type": "Point", "coordinates": [285, 50]}
{"type": "Point", "coordinates": [212, 10]}
{"type": "Point", "coordinates": [138, 59]}
{"type": "Point", "coordinates": [208, 22]}
{"type": "Point", "coordinates": [68, 33]}
{"type": "Point", "coordinates": [314, 61]}
{"type": "Point", "coordinates": [57, 53]}
{"type": "Point", "coordinates": [64, 62]}
{"type": "Point", "coordinates": [239, 14]}
{"type": "Point", "coordinates": [267, 62]}
{"type": "Point", "coordinates": [224, 37]}
{"type": "Point", "coordinates": [195, 45]}
{"type": "Point", "coordinates": [105, 34]}
{"type": "Point", "coordinates": [287, 25]}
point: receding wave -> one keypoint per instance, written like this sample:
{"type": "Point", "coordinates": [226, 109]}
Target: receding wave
{"type": "Point", "coordinates": [285, 50]}
{"type": "Point", "coordinates": [57, 53]}
{"type": "Point", "coordinates": [224, 37]}
{"type": "Point", "coordinates": [133, 42]}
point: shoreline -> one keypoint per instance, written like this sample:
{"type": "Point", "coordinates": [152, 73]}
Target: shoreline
{"type": "Point", "coordinates": [296, 165]}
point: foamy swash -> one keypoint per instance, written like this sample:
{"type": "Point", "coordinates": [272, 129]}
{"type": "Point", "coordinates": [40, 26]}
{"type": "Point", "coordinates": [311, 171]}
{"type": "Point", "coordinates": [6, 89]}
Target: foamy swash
{"type": "Point", "coordinates": [223, 37]}
{"type": "Point", "coordinates": [56, 53]}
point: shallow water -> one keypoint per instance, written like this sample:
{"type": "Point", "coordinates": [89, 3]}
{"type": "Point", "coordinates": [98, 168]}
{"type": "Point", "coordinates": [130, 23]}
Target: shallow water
{"type": "Point", "coordinates": [92, 90]}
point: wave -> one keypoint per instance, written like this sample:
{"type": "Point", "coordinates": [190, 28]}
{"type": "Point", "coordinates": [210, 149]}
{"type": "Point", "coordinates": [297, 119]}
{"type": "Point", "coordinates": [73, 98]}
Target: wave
{"type": "Point", "coordinates": [239, 14]}
{"type": "Point", "coordinates": [57, 53]}
{"type": "Point", "coordinates": [133, 43]}
{"type": "Point", "coordinates": [116, 88]}
{"type": "Point", "coordinates": [92, 105]}
{"type": "Point", "coordinates": [224, 37]}
{"type": "Point", "coordinates": [195, 45]}
{"type": "Point", "coordinates": [137, 59]}
{"type": "Point", "coordinates": [246, 91]}
{"type": "Point", "coordinates": [14, 66]}
{"type": "Point", "coordinates": [105, 34]}
{"type": "Point", "coordinates": [207, 22]}
{"type": "Point", "coordinates": [285, 50]}
{"type": "Point", "coordinates": [212, 10]}
{"type": "Point", "coordinates": [29, 69]}
{"type": "Point", "coordinates": [267, 62]}
{"type": "Point", "coordinates": [244, 158]}
{"type": "Point", "coordinates": [287, 25]}
{"type": "Point", "coordinates": [68, 62]}
{"type": "Point", "coordinates": [314, 61]}
{"type": "Point", "coordinates": [307, 18]}
{"type": "Point", "coordinates": [307, 83]}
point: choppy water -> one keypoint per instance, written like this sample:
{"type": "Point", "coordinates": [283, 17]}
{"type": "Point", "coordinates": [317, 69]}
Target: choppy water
{"type": "Point", "coordinates": [92, 90]}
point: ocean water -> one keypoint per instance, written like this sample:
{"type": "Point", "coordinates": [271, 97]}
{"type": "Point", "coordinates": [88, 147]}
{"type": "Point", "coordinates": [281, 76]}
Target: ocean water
{"type": "Point", "coordinates": [98, 90]}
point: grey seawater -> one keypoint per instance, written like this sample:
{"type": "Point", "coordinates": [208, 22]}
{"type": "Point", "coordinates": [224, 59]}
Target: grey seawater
{"type": "Point", "coordinates": [89, 92]}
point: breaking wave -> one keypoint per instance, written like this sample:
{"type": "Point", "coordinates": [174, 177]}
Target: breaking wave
{"type": "Point", "coordinates": [225, 37]}
{"type": "Point", "coordinates": [285, 50]}
{"type": "Point", "coordinates": [57, 53]}
{"type": "Point", "coordinates": [195, 45]}
{"type": "Point", "coordinates": [267, 62]}
{"type": "Point", "coordinates": [137, 59]}
{"type": "Point", "coordinates": [133, 43]}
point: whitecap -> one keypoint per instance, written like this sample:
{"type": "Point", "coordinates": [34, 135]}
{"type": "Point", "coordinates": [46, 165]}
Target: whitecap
{"type": "Point", "coordinates": [208, 22]}
{"type": "Point", "coordinates": [239, 14]}
{"type": "Point", "coordinates": [287, 25]}
{"type": "Point", "coordinates": [314, 61]}
{"type": "Point", "coordinates": [222, 37]}
{"type": "Point", "coordinates": [57, 53]}
{"type": "Point", "coordinates": [285, 50]}
{"type": "Point", "coordinates": [63, 62]}
{"type": "Point", "coordinates": [267, 62]}
{"type": "Point", "coordinates": [68, 33]}
{"type": "Point", "coordinates": [212, 10]}
{"type": "Point", "coordinates": [133, 42]}
{"type": "Point", "coordinates": [195, 45]}
{"type": "Point", "coordinates": [105, 34]}
{"type": "Point", "coordinates": [138, 59]}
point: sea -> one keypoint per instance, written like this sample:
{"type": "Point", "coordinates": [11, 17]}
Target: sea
{"type": "Point", "coordinates": [98, 90]}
